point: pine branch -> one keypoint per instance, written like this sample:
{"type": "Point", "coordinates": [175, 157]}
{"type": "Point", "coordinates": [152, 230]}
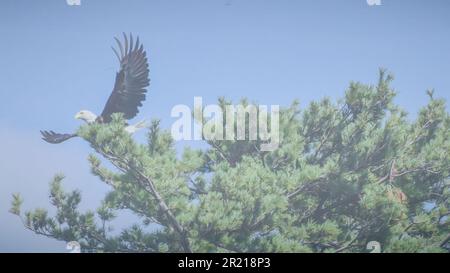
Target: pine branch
{"type": "Point", "coordinates": [149, 186]}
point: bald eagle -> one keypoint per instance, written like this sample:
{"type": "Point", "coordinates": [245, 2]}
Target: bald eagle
{"type": "Point", "coordinates": [128, 92]}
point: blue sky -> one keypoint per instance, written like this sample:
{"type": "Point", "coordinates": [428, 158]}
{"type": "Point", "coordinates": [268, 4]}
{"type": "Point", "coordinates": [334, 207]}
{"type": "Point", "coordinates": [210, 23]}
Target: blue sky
{"type": "Point", "coordinates": [56, 59]}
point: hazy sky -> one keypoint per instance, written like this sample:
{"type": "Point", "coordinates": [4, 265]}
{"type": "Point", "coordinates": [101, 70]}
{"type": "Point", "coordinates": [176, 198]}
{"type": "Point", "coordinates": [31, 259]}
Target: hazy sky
{"type": "Point", "coordinates": [56, 60]}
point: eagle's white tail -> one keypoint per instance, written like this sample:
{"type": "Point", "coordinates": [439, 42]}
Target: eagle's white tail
{"type": "Point", "coordinates": [136, 127]}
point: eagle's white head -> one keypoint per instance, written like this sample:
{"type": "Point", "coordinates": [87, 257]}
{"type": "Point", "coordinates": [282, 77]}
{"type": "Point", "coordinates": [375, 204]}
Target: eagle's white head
{"type": "Point", "coordinates": [86, 115]}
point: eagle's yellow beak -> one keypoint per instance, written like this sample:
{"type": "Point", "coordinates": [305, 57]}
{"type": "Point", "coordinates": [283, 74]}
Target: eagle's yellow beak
{"type": "Point", "coordinates": [77, 115]}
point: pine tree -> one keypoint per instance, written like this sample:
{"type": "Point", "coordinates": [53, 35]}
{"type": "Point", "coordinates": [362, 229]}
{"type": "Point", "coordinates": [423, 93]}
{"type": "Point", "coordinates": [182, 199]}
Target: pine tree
{"type": "Point", "coordinates": [345, 173]}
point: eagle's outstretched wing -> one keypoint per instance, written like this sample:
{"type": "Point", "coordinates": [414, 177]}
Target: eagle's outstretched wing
{"type": "Point", "coordinates": [131, 81]}
{"type": "Point", "coordinates": [55, 138]}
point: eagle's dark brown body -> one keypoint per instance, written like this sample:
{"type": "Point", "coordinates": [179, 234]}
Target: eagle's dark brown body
{"type": "Point", "coordinates": [129, 88]}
